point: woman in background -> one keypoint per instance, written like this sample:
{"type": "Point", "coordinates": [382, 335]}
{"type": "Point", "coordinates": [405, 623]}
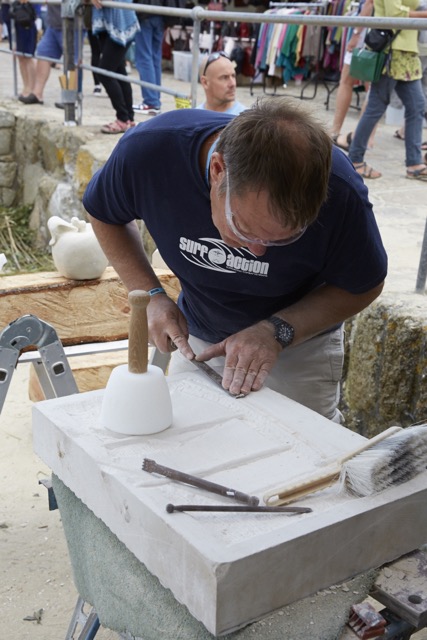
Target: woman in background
{"type": "Point", "coordinates": [402, 73]}
{"type": "Point", "coordinates": [116, 30]}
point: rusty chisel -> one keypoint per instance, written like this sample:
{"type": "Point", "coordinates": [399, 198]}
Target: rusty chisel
{"type": "Point", "coordinates": [214, 376]}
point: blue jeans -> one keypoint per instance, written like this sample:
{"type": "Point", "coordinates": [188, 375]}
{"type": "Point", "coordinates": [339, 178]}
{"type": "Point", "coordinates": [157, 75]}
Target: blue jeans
{"type": "Point", "coordinates": [148, 57]}
{"type": "Point", "coordinates": [412, 96]}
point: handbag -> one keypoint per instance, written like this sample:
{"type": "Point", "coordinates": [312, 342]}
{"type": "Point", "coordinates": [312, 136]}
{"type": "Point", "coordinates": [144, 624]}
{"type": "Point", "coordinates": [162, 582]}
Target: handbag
{"type": "Point", "coordinates": [367, 65]}
{"type": "Point", "coordinates": [23, 13]}
{"type": "Point", "coordinates": [380, 39]}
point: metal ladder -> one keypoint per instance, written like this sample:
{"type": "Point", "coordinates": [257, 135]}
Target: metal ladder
{"type": "Point", "coordinates": [56, 379]}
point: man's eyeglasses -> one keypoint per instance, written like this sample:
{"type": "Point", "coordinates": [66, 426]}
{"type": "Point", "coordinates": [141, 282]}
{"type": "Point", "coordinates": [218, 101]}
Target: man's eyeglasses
{"type": "Point", "coordinates": [232, 225]}
{"type": "Point", "coordinates": [215, 56]}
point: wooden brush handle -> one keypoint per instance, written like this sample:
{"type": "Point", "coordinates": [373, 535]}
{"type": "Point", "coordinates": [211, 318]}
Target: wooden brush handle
{"type": "Point", "coordinates": [303, 488]}
{"type": "Point", "coordinates": [138, 332]}
{"type": "Point", "coordinates": [322, 479]}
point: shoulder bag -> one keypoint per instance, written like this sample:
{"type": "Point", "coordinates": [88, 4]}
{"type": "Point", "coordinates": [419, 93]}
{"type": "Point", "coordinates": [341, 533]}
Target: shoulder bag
{"type": "Point", "coordinates": [379, 39]}
{"type": "Point", "coordinates": [367, 65]}
{"type": "Point", "coordinates": [23, 13]}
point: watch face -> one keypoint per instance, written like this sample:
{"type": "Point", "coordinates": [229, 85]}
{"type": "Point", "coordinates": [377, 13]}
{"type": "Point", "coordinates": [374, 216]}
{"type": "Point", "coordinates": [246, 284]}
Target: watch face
{"type": "Point", "coordinates": [284, 332]}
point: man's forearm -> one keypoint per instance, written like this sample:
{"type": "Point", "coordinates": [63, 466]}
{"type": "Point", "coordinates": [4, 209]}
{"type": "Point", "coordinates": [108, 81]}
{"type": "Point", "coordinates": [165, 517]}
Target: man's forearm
{"type": "Point", "coordinates": [123, 247]}
{"type": "Point", "coordinates": [323, 308]}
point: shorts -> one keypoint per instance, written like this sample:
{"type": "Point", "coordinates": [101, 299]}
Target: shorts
{"type": "Point", "coordinates": [359, 45]}
{"type": "Point", "coordinates": [50, 46]}
{"type": "Point", "coordinates": [26, 39]}
{"type": "Point", "coordinates": [309, 373]}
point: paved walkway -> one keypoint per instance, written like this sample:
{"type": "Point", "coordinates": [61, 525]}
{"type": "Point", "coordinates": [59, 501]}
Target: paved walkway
{"type": "Point", "coordinates": [399, 203]}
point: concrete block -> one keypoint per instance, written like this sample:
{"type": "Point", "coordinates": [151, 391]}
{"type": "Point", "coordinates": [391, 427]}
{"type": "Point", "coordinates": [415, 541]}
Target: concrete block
{"type": "Point", "coordinates": [228, 569]}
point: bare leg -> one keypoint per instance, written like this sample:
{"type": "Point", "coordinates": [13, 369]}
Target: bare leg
{"type": "Point", "coordinates": [343, 101]}
{"type": "Point", "coordinates": [27, 68]}
{"type": "Point", "coordinates": [42, 75]}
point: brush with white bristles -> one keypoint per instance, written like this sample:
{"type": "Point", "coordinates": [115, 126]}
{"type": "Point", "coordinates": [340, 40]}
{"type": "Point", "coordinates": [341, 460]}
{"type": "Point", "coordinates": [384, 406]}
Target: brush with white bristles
{"type": "Point", "coordinates": [390, 458]}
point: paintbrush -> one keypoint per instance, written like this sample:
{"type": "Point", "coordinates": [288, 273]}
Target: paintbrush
{"type": "Point", "coordinates": [392, 457]}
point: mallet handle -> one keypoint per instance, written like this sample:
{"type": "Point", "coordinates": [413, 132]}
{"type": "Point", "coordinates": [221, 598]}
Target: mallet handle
{"type": "Point", "coordinates": [138, 331]}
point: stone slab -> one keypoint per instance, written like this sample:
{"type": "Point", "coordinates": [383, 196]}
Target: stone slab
{"type": "Point", "coordinates": [228, 569]}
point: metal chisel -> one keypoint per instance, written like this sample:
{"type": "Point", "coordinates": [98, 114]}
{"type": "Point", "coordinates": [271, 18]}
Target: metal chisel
{"type": "Point", "coordinates": [214, 376]}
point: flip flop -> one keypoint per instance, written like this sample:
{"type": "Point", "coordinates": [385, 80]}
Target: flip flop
{"type": "Point", "coordinates": [424, 146]}
{"type": "Point", "coordinates": [417, 174]}
{"type": "Point", "coordinates": [345, 146]}
{"type": "Point", "coordinates": [366, 171]}
{"type": "Point", "coordinates": [398, 135]}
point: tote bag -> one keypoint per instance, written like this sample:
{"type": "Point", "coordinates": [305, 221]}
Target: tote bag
{"type": "Point", "coordinates": [367, 65]}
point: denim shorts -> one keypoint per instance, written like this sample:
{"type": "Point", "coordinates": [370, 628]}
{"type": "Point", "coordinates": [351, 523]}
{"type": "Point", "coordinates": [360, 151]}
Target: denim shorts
{"type": "Point", "coordinates": [50, 46]}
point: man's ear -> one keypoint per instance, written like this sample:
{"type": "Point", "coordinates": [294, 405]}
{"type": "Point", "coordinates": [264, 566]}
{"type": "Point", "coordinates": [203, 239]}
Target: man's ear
{"type": "Point", "coordinates": [217, 168]}
{"type": "Point", "coordinates": [203, 82]}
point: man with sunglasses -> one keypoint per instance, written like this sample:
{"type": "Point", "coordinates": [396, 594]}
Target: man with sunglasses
{"type": "Point", "coordinates": [269, 230]}
{"type": "Point", "coordinates": [218, 79]}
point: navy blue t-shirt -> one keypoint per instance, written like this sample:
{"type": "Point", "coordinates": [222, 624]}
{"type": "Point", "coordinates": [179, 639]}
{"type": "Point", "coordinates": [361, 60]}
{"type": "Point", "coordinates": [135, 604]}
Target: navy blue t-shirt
{"type": "Point", "coordinates": [153, 174]}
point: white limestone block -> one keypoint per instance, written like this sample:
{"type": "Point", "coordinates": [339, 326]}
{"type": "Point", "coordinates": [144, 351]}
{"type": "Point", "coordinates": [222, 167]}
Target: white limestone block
{"type": "Point", "coordinates": [228, 569]}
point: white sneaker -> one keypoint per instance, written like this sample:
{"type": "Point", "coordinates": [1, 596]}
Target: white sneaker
{"type": "Point", "coordinates": [146, 109]}
{"type": "Point", "coordinates": [97, 90]}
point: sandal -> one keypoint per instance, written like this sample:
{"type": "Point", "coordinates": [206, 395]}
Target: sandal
{"type": "Point", "coordinates": [417, 174]}
{"type": "Point", "coordinates": [343, 145]}
{"type": "Point", "coordinates": [424, 146]}
{"type": "Point", "coordinates": [115, 127]}
{"type": "Point", "coordinates": [398, 135]}
{"type": "Point", "coordinates": [366, 171]}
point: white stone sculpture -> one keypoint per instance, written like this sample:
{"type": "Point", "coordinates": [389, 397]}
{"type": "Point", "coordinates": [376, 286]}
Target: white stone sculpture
{"type": "Point", "coordinates": [76, 251]}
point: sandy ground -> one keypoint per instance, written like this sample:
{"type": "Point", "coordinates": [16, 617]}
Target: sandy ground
{"type": "Point", "coordinates": [34, 566]}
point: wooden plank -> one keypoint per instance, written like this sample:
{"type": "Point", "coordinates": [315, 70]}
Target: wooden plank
{"type": "Point", "coordinates": [79, 310]}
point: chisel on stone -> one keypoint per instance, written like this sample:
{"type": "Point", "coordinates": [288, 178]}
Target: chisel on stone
{"type": "Point", "coordinates": [215, 377]}
{"type": "Point", "coordinates": [171, 508]}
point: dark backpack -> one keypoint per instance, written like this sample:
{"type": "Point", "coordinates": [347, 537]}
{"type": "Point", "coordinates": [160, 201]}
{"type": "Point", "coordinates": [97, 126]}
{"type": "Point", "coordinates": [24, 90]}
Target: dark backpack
{"type": "Point", "coordinates": [23, 14]}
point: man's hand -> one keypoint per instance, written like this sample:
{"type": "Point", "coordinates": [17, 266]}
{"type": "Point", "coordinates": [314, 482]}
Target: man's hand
{"type": "Point", "coordinates": [249, 357]}
{"type": "Point", "coordinates": [167, 327]}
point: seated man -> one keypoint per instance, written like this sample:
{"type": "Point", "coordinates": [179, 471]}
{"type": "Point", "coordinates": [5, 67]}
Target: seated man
{"type": "Point", "coordinates": [218, 79]}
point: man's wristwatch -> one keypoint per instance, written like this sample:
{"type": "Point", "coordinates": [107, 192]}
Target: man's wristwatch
{"type": "Point", "coordinates": [284, 332]}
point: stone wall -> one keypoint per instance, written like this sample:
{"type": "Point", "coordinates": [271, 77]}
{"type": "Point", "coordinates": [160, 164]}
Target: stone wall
{"type": "Point", "coordinates": [49, 165]}
{"type": "Point", "coordinates": [386, 373]}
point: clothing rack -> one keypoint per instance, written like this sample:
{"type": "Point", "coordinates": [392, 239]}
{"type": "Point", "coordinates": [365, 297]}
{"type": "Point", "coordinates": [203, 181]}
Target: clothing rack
{"type": "Point", "coordinates": [262, 66]}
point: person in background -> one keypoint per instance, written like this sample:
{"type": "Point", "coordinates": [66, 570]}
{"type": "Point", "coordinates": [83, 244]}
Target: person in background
{"type": "Point", "coordinates": [218, 79]}
{"type": "Point", "coordinates": [50, 46]}
{"type": "Point", "coordinates": [346, 84]}
{"type": "Point", "coordinates": [26, 41]}
{"type": "Point", "coordinates": [148, 58]}
{"type": "Point", "coordinates": [116, 29]}
{"type": "Point", "coordinates": [403, 74]}
{"type": "Point", "coordinates": [269, 230]}
{"type": "Point", "coordinates": [95, 50]}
